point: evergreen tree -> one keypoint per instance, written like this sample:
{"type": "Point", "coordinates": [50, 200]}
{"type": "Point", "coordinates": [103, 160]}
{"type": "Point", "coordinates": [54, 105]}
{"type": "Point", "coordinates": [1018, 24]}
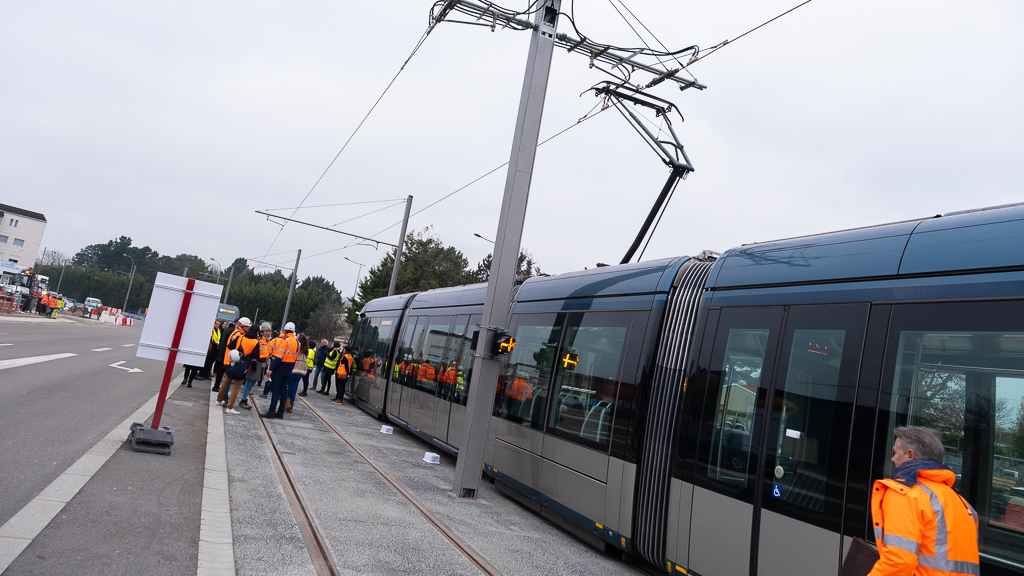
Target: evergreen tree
{"type": "Point", "coordinates": [426, 264]}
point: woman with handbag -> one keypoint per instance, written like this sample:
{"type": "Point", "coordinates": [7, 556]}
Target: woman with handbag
{"type": "Point", "coordinates": [298, 372]}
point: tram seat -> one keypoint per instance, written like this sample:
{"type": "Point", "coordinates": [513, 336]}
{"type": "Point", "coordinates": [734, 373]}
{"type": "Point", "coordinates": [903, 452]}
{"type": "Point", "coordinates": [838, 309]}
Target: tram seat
{"type": "Point", "coordinates": [593, 424]}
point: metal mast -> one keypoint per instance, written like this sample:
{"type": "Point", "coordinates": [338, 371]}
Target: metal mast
{"type": "Point", "coordinates": [469, 466]}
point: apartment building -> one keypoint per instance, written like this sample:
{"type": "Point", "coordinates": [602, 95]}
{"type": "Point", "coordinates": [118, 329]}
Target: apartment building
{"type": "Point", "coordinates": [21, 235]}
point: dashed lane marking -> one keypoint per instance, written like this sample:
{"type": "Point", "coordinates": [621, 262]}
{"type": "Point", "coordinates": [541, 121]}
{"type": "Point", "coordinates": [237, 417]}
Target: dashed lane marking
{"type": "Point", "coordinates": [16, 362]}
{"type": "Point", "coordinates": [127, 345]}
{"type": "Point", "coordinates": [8, 344]}
{"type": "Point", "coordinates": [101, 349]}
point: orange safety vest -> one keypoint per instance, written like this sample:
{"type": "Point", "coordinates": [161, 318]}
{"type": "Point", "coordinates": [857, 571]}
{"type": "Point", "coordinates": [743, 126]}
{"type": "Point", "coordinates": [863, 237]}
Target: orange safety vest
{"type": "Point", "coordinates": [924, 530]}
{"type": "Point", "coordinates": [231, 344]}
{"type": "Point", "coordinates": [285, 347]}
{"type": "Point", "coordinates": [449, 376]}
{"type": "Point", "coordinates": [345, 365]}
{"type": "Point", "coordinates": [369, 364]}
{"type": "Point", "coordinates": [247, 345]}
{"type": "Point", "coordinates": [409, 369]}
{"type": "Point", "coordinates": [520, 390]}
{"type": "Point", "coordinates": [264, 348]}
{"type": "Point", "coordinates": [425, 372]}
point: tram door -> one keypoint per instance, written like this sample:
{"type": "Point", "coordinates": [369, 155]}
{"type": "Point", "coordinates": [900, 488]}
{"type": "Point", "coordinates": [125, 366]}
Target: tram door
{"type": "Point", "coordinates": [771, 463]}
{"type": "Point", "coordinates": [446, 379]}
{"type": "Point", "coordinates": [807, 441]}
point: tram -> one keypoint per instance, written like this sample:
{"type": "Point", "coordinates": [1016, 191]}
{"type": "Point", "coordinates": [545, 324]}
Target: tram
{"type": "Point", "coordinates": [727, 415]}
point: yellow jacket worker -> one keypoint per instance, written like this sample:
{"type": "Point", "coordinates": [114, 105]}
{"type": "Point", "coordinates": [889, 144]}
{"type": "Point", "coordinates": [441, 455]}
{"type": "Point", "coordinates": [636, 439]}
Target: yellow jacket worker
{"type": "Point", "coordinates": [922, 526]}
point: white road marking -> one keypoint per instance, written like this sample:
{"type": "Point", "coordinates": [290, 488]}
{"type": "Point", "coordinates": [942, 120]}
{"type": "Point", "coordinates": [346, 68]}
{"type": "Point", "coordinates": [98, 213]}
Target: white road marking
{"type": "Point", "coordinates": [119, 367]}
{"type": "Point", "coordinates": [24, 526]}
{"type": "Point", "coordinates": [101, 349]}
{"type": "Point", "coordinates": [127, 345]}
{"type": "Point", "coordinates": [8, 344]}
{"type": "Point", "coordinates": [15, 362]}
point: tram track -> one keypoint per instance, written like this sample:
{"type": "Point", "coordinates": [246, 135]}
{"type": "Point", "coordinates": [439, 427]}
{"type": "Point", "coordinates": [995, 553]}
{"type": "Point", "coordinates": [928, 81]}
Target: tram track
{"type": "Point", "coordinates": [316, 543]}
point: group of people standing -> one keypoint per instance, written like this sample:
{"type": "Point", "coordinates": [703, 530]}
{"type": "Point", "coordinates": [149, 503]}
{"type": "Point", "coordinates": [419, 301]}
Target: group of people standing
{"type": "Point", "coordinates": [241, 356]}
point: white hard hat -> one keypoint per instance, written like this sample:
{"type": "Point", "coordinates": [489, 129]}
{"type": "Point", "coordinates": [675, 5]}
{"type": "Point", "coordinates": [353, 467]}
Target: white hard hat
{"type": "Point", "coordinates": [234, 356]}
{"type": "Point", "coordinates": [245, 321]}
{"type": "Point", "coordinates": [289, 327]}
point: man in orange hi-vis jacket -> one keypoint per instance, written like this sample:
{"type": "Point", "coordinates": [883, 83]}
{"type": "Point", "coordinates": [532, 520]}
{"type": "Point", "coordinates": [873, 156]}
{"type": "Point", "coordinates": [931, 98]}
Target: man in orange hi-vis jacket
{"type": "Point", "coordinates": [922, 526]}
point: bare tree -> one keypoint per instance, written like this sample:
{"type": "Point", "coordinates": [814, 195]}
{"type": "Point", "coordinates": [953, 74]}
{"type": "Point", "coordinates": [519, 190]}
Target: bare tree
{"type": "Point", "coordinates": [327, 321]}
{"type": "Point", "coordinates": [54, 258]}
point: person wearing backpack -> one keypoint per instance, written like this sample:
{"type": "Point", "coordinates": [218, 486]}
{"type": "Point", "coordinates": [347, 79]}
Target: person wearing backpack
{"type": "Point", "coordinates": [244, 350]}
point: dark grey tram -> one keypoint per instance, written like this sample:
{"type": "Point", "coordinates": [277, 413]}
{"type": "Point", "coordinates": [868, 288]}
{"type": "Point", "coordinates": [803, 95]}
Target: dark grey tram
{"type": "Point", "coordinates": [722, 416]}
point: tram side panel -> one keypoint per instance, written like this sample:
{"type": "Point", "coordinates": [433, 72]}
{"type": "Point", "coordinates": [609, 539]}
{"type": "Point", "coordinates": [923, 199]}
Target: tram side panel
{"type": "Point", "coordinates": [429, 392]}
{"type": "Point", "coordinates": [767, 379]}
{"type": "Point", "coordinates": [565, 411]}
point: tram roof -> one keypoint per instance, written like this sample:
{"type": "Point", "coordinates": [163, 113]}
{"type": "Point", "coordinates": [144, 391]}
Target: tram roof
{"type": "Point", "coordinates": [396, 302]}
{"type": "Point", "coordinates": [467, 295]}
{"type": "Point", "coordinates": [636, 278]}
{"type": "Point", "coordinates": [972, 240]}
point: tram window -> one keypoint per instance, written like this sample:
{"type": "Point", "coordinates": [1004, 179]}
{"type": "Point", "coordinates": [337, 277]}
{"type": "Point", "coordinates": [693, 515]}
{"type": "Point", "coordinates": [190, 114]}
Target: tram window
{"type": "Point", "coordinates": [410, 341]}
{"type": "Point", "coordinates": [448, 373]}
{"type": "Point", "coordinates": [587, 377]}
{"type": "Point", "coordinates": [372, 348]}
{"type": "Point", "coordinates": [359, 332]}
{"type": "Point", "coordinates": [733, 426]}
{"type": "Point", "coordinates": [969, 385]}
{"type": "Point", "coordinates": [523, 388]}
{"type": "Point", "coordinates": [430, 355]}
{"type": "Point", "coordinates": [625, 438]}
{"type": "Point", "coordinates": [465, 362]}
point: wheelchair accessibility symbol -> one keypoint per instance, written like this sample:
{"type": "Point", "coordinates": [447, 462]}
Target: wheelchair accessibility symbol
{"type": "Point", "coordinates": [776, 491]}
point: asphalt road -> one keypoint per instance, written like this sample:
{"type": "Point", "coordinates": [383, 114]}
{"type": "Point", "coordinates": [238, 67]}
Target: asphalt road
{"type": "Point", "coordinates": [52, 412]}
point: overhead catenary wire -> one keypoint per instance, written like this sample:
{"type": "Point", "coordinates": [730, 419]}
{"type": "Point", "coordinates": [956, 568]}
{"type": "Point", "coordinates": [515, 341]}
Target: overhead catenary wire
{"type": "Point", "coordinates": [586, 117]}
{"type": "Point", "coordinates": [399, 203]}
{"type": "Point", "coordinates": [448, 5]}
{"type": "Point", "coordinates": [656, 39]}
{"type": "Point", "coordinates": [590, 114]}
{"type": "Point", "coordinates": [725, 43]}
{"type": "Point", "coordinates": [338, 204]}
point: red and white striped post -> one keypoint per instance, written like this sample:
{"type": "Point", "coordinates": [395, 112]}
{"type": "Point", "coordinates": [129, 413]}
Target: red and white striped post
{"type": "Point", "coordinates": [172, 354]}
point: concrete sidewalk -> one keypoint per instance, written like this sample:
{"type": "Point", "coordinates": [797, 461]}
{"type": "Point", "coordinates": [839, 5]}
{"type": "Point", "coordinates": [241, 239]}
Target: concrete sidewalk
{"type": "Point", "coordinates": [143, 513]}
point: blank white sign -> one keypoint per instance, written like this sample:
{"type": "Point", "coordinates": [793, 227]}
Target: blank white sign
{"type": "Point", "coordinates": [162, 319]}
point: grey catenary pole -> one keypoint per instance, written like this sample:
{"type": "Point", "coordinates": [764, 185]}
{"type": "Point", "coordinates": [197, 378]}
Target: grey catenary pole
{"type": "Point", "coordinates": [469, 466]}
{"type": "Point", "coordinates": [398, 249]}
{"type": "Point", "coordinates": [231, 276]}
{"type": "Point", "coordinates": [291, 289]}
{"type": "Point", "coordinates": [130, 280]}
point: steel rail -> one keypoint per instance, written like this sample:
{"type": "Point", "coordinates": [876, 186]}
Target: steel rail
{"type": "Point", "coordinates": [443, 528]}
{"type": "Point", "coordinates": [316, 544]}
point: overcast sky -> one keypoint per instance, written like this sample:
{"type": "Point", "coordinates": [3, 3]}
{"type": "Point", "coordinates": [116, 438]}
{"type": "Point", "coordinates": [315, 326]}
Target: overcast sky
{"type": "Point", "coordinates": [172, 122]}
